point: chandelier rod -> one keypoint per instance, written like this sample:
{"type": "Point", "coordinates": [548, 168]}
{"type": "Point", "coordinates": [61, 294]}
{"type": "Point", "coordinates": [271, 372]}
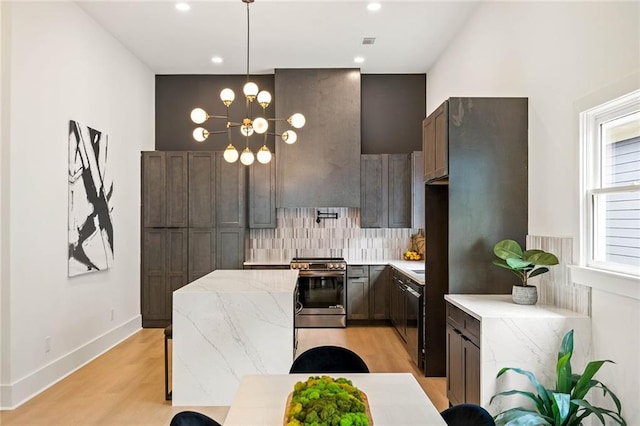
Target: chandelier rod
{"type": "Point", "coordinates": [248, 34]}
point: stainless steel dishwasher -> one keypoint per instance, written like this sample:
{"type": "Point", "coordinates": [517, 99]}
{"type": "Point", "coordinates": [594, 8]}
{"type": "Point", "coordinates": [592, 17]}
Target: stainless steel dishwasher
{"type": "Point", "coordinates": [413, 321]}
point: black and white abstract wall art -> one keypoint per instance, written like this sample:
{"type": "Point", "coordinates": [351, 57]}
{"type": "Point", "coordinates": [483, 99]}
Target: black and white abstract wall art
{"type": "Point", "coordinates": [90, 201]}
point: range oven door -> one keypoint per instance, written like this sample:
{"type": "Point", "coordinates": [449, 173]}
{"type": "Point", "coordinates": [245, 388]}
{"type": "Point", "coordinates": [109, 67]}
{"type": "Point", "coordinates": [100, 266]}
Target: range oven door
{"type": "Point", "coordinates": [323, 298]}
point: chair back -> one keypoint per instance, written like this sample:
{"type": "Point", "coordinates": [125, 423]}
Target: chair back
{"type": "Point", "coordinates": [192, 418]}
{"type": "Point", "coordinates": [329, 359]}
{"type": "Point", "coordinates": [467, 414]}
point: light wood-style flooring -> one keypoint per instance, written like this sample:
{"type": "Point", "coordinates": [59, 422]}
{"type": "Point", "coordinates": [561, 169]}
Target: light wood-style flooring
{"type": "Point", "coordinates": [125, 386]}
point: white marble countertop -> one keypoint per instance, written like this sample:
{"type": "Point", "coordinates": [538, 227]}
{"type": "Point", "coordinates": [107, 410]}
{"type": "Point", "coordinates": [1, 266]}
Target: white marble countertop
{"type": "Point", "coordinates": [267, 262]}
{"type": "Point", "coordinates": [408, 268]}
{"type": "Point", "coordinates": [482, 306]}
{"type": "Point", "coordinates": [405, 266]}
{"type": "Point", "coordinates": [244, 281]}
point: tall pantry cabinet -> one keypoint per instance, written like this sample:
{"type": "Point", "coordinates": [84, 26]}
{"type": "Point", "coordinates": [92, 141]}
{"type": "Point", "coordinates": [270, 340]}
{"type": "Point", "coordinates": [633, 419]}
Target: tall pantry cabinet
{"type": "Point", "coordinates": [190, 201]}
{"type": "Point", "coordinates": [476, 194]}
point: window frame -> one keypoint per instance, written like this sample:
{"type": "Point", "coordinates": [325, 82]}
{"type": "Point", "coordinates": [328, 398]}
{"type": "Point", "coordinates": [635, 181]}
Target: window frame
{"type": "Point", "coordinates": [591, 172]}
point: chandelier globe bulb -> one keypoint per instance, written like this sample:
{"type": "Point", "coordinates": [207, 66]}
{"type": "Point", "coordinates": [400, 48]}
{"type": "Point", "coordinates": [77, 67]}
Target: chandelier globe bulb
{"type": "Point", "coordinates": [200, 134]}
{"type": "Point", "coordinates": [297, 120]}
{"type": "Point", "coordinates": [247, 157]}
{"type": "Point", "coordinates": [250, 90]}
{"type": "Point", "coordinates": [199, 116]}
{"type": "Point", "coordinates": [264, 98]}
{"type": "Point", "coordinates": [246, 130]}
{"type": "Point", "coordinates": [289, 137]}
{"type": "Point", "coordinates": [264, 155]}
{"type": "Point", "coordinates": [231, 154]}
{"type": "Point", "coordinates": [260, 125]}
{"type": "Point", "coordinates": [227, 96]}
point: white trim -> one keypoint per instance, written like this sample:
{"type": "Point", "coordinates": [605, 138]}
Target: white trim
{"type": "Point", "coordinates": [591, 168]}
{"type": "Point", "coordinates": [610, 282]}
{"type": "Point", "coordinates": [588, 102]}
{"type": "Point", "coordinates": [22, 390]}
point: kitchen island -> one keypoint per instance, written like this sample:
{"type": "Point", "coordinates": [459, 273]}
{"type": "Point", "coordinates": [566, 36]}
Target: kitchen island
{"type": "Point", "coordinates": [226, 325]}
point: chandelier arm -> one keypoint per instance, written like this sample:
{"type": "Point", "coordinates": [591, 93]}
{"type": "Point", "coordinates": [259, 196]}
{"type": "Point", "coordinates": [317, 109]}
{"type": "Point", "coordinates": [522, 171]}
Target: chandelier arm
{"type": "Point", "coordinates": [217, 116]}
{"type": "Point", "coordinates": [217, 132]}
{"type": "Point", "coordinates": [230, 124]}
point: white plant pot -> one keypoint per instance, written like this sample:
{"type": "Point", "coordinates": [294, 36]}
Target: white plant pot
{"type": "Point", "coordinates": [524, 295]}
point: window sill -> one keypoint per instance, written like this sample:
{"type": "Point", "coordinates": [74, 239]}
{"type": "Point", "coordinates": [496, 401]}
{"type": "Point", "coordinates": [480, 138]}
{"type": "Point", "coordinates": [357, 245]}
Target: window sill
{"type": "Point", "coordinates": [610, 282]}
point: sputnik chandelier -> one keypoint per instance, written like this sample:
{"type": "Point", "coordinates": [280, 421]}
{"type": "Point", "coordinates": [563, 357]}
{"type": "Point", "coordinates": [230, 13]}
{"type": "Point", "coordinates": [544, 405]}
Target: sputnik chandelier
{"type": "Point", "coordinates": [248, 126]}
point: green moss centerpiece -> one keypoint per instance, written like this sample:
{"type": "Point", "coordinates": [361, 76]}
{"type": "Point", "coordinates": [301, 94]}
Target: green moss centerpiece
{"type": "Point", "coordinates": [325, 401]}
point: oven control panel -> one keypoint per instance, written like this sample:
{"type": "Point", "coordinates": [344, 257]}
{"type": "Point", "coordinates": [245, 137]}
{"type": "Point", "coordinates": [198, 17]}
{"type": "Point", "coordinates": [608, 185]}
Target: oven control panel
{"type": "Point", "coordinates": [299, 265]}
{"type": "Point", "coordinates": [318, 264]}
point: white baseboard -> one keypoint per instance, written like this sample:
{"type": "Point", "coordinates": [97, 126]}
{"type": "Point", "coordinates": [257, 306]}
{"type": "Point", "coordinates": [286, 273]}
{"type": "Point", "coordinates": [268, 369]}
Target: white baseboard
{"type": "Point", "coordinates": [22, 390]}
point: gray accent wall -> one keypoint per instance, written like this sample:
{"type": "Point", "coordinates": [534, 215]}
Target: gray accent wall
{"type": "Point", "coordinates": [392, 110]}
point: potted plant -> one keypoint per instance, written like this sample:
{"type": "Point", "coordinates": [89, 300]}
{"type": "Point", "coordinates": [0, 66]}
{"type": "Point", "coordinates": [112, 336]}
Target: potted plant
{"type": "Point", "coordinates": [525, 264]}
{"type": "Point", "coordinates": [566, 405]}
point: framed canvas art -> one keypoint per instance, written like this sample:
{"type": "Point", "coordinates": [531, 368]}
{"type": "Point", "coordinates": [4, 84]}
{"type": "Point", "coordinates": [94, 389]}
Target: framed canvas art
{"type": "Point", "coordinates": [90, 201]}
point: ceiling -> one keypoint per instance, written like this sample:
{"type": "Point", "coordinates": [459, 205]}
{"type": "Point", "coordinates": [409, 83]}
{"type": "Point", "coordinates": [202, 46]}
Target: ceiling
{"type": "Point", "coordinates": [409, 35]}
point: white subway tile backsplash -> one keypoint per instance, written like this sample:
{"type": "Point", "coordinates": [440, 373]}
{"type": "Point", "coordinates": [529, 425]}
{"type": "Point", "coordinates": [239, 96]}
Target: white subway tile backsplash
{"type": "Point", "coordinates": [555, 287]}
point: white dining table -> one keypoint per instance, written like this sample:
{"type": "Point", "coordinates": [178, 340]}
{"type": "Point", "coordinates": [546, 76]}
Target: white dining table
{"type": "Point", "coordinates": [395, 399]}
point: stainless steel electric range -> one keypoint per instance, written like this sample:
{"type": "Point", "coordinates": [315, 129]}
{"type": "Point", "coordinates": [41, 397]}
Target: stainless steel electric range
{"type": "Point", "coordinates": [322, 292]}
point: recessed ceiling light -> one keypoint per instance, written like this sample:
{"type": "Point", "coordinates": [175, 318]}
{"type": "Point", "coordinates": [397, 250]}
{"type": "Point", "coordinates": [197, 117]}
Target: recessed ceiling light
{"type": "Point", "coordinates": [358, 59]}
{"type": "Point", "coordinates": [374, 6]}
{"type": "Point", "coordinates": [216, 60]}
{"type": "Point", "coordinates": [183, 7]}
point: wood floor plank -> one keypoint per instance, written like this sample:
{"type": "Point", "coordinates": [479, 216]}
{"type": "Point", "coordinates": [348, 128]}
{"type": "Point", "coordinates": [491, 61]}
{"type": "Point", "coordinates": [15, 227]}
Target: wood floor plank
{"type": "Point", "coordinates": [125, 386]}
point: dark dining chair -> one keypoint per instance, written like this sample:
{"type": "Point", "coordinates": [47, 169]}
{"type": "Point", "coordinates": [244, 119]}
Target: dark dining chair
{"type": "Point", "coordinates": [192, 418]}
{"type": "Point", "coordinates": [466, 415]}
{"type": "Point", "coordinates": [329, 359]}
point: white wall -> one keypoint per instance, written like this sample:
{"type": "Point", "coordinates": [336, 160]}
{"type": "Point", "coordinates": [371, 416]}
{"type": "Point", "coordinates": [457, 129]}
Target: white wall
{"type": "Point", "coordinates": [556, 54]}
{"type": "Point", "coordinates": [64, 66]}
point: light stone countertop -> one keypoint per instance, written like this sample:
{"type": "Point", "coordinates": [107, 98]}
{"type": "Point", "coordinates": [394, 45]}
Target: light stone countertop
{"type": "Point", "coordinates": [244, 281]}
{"type": "Point", "coordinates": [405, 266]}
{"type": "Point", "coordinates": [481, 306]}
{"type": "Point", "coordinates": [267, 262]}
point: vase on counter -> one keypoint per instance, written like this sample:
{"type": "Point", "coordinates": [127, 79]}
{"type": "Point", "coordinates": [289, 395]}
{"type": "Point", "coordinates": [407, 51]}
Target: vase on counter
{"type": "Point", "coordinates": [524, 294]}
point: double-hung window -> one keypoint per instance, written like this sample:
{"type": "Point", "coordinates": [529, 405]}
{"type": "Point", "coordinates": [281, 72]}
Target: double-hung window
{"type": "Point", "coordinates": [610, 136]}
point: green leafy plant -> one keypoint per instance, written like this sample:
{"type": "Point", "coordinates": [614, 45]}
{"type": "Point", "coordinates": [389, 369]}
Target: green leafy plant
{"type": "Point", "coordinates": [522, 263]}
{"type": "Point", "coordinates": [566, 404]}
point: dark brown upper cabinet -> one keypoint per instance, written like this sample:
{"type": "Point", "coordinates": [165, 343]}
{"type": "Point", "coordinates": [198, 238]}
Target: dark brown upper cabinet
{"type": "Point", "coordinates": [164, 189]}
{"type": "Point", "coordinates": [435, 144]}
{"type": "Point", "coordinates": [202, 189]}
{"type": "Point", "coordinates": [230, 193]}
{"type": "Point", "coordinates": [262, 195]}
{"type": "Point", "coordinates": [385, 191]}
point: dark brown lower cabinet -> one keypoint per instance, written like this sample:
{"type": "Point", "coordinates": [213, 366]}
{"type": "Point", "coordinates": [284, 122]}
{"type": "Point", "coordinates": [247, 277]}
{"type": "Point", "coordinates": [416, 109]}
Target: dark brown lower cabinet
{"type": "Point", "coordinates": [368, 292]}
{"type": "Point", "coordinates": [379, 292]}
{"type": "Point", "coordinates": [164, 270]}
{"type": "Point", "coordinates": [463, 357]}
